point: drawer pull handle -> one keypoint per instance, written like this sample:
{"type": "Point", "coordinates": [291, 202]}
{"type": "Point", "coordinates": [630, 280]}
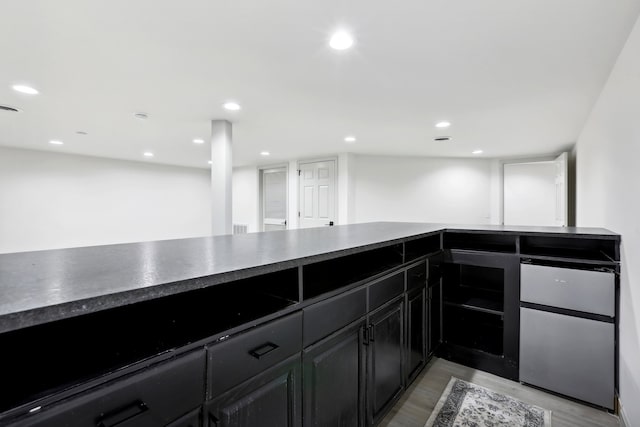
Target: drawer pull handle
{"type": "Point", "coordinates": [263, 350]}
{"type": "Point", "coordinates": [560, 281]}
{"type": "Point", "coordinates": [123, 414]}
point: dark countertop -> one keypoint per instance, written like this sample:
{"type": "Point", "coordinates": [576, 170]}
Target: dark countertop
{"type": "Point", "coordinates": [44, 286]}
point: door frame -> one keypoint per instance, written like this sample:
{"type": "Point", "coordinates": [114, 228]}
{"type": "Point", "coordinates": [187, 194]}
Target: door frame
{"type": "Point", "coordinates": [335, 180]}
{"type": "Point", "coordinates": [261, 170]}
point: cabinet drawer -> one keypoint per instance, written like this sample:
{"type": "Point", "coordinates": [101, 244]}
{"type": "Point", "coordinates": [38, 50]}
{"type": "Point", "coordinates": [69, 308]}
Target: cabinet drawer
{"type": "Point", "coordinates": [328, 316]}
{"type": "Point", "coordinates": [569, 355]}
{"type": "Point", "coordinates": [156, 396]}
{"type": "Point", "coordinates": [385, 290]}
{"type": "Point", "coordinates": [417, 276]}
{"type": "Point", "coordinates": [242, 357]}
{"type": "Point", "coordinates": [581, 290]}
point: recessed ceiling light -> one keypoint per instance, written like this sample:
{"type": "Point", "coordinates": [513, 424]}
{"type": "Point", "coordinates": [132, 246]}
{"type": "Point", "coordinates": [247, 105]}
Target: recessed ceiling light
{"type": "Point", "coordinates": [442, 138]}
{"type": "Point", "coordinates": [341, 40]}
{"type": "Point", "coordinates": [198, 141]}
{"type": "Point", "coordinates": [148, 154]}
{"type": "Point", "coordinates": [231, 106]}
{"type": "Point", "coordinates": [25, 89]}
{"type": "Point", "coordinates": [264, 153]}
{"type": "Point", "coordinates": [443, 124]}
{"type": "Point", "coordinates": [210, 162]}
{"type": "Point", "coordinates": [477, 152]}
{"type": "Point", "coordinates": [56, 142]}
{"type": "Point", "coordinates": [350, 139]}
{"type": "Point", "coordinates": [141, 116]}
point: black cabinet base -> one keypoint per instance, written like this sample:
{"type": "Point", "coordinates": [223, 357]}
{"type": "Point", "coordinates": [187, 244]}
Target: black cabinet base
{"type": "Point", "coordinates": [497, 365]}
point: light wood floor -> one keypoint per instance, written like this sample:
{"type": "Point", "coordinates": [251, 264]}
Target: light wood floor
{"type": "Point", "coordinates": [419, 400]}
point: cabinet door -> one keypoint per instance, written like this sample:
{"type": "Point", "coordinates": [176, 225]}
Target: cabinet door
{"type": "Point", "coordinates": [333, 372]}
{"type": "Point", "coordinates": [416, 332]}
{"type": "Point", "coordinates": [271, 399]}
{"type": "Point", "coordinates": [386, 359]}
{"type": "Point", "coordinates": [434, 303]}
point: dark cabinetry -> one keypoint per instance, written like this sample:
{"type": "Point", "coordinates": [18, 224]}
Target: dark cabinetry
{"type": "Point", "coordinates": [157, 396]}
{"type": "Point", "coordinates": [385, 377]}
{"type": "Point", "coordinates": [333, 371]}
{"type": "Point", "coordinates": [480, 310]}
{"type": "Point", "coordinates": [331, 341]}
{"type": "Point", "coordinates": [354, 372]}
{"type": "Point", "coordinates": [416, 331]}
{"type": "Point", "coordinates": [255, 378]}
{"type": "Point", "coordinates": [192, 419]}
{"type": "Point", "coordinates": [271, 399]}
{"type": "Point", "coordinates": [417, 324]}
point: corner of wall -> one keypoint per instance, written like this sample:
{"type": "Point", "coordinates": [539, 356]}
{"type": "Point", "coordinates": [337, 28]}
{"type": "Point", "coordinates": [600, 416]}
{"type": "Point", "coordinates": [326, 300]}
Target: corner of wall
{"type": "Point", "coordinates": [571, 186]}
{"type": "Point", "coordinates": [497, 190]}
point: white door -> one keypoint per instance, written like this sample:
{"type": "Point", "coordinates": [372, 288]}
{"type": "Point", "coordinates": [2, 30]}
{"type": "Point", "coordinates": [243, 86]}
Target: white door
{"type": "Point", "coordinates": [317, 201]}
{"type": "Point", "coordinates": [535, 193]}
{"type": "Point", "coordinates": [274, 199]}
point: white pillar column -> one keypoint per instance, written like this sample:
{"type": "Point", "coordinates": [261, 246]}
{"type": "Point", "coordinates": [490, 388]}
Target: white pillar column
{"type": "Point", "coordinates": [221, 172]}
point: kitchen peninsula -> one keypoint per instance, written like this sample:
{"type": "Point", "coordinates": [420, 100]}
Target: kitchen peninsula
{"type": "Point", "coordinates": [235, 330]}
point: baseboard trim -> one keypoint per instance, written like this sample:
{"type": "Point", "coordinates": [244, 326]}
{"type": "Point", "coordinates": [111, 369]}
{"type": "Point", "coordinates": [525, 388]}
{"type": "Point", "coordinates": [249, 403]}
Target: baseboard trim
{"type": "Point", "coordinates": [623, 418]}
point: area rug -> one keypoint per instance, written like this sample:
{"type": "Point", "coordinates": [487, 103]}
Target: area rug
{"type": "Point", "coordinates": [463, 404]}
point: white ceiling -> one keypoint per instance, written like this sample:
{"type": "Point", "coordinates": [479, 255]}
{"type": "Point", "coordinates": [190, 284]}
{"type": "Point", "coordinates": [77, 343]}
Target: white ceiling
{"type": "Point", "coordinates": [514, 77]}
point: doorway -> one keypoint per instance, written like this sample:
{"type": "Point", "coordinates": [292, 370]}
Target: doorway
{"type": "Point", "coordinates": [536, 193]}
{"type": "Point", "coordinates": [317, 193]}
{"type": "Point", "coordinates": [273, 211]}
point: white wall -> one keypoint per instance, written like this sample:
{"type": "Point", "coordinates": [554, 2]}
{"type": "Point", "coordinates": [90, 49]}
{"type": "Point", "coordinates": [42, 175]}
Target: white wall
{"type": "Point", "coordinates": [50, 200]}
{"type": "Point", "coordinates": [383, 188]}
{"type": "Point", "coordinates": [245, 195]}
{"type": "Point", "coordinates": [346, 188]}
{"type": "Point", "coordinates": [608, 155]}
{"type": "Point", "coordinates": [422, 189]}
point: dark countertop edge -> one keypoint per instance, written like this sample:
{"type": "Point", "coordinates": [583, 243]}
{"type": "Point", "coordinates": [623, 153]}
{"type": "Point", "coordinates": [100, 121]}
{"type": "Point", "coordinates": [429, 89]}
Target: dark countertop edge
{"type": "Point", "coordinates": [55, 312]}
{"type": "Point", "coordinates": [51, 313]}
{"type": "Point", "coordinates": [572, 235]}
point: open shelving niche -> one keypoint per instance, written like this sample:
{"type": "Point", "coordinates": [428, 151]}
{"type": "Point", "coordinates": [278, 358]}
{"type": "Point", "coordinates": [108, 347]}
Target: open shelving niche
{"type": "Point", "coordinates": [52, 357]}
{"type": "Point", "coordinates": [326, 276]}
{"type": "Point", "coordinates": [583, 249]}
{"type": "Point", "coordinates": [474, 295]}
{"type": "Point", "coordinates": [474, 307]}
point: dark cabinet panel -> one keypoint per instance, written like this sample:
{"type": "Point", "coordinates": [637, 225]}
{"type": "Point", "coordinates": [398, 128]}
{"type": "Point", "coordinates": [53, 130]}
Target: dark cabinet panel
{"type": "Point", "coordinates": [385, 359]}
{"type": "Point", "coordinates": [192, 419]}
{"type": "Point", "coordinates": [417, 276]}
{"type": "Point", "coordinates": [330, 315]}
{"type": "Point", "coordinates": [333, 380]}
{"type": "Point", "coordinates": [154, 397]}
{"type": "Point", "coordinates": [248, 354]}
{"type": "Point", "coordinates": [434, 296]}
{"type": "Point", "coordinates": [417, 324]}
{"type": "Point", "coordinates": [385, 290]}
{"type": "Point", "coordinates": [481, 296]}
{"type": "Point", "coordinates": [271, 399]}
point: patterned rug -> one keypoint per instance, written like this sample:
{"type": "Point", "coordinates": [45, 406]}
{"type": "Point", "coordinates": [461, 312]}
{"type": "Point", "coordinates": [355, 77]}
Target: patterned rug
{"type": "Point", "coordinates": [463, 404]}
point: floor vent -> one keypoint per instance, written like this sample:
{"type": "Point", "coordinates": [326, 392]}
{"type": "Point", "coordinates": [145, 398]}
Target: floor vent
{"type": "Point", "coordinates": [240, 228]}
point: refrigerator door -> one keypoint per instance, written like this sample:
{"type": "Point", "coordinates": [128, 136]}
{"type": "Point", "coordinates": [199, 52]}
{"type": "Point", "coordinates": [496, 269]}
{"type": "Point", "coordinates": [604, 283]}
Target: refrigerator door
{"type": "Point", "coordinates": [568, 355]}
